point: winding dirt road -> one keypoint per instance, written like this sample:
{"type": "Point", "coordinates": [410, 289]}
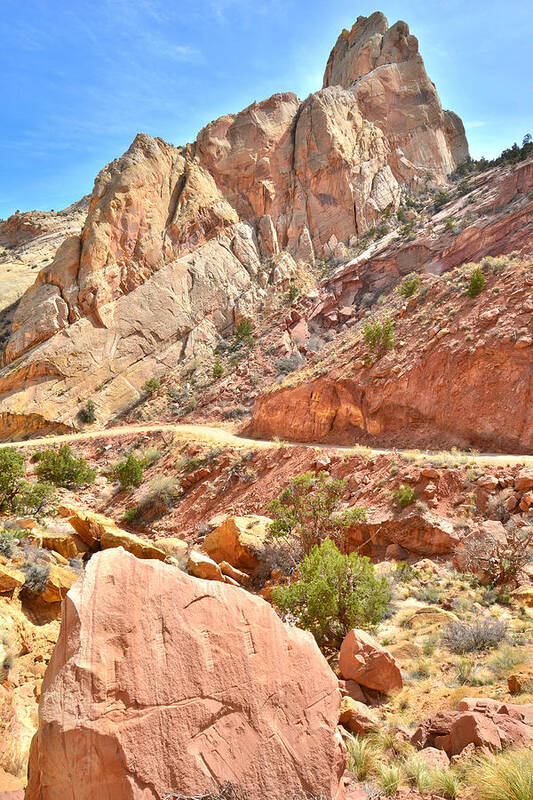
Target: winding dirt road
{"type": "Point", "coordinates": [220, 435]}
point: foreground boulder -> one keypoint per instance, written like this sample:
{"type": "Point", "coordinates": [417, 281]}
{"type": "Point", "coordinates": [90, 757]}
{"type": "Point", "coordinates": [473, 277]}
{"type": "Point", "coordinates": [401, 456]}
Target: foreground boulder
{"type": "Point", "coordinates": [186, 685]}
{"type": "Point", "coordinates": [363, 660]}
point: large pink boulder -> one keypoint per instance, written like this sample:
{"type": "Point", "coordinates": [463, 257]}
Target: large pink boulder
{"type": "Point", "coordinates": [161, 682]}
{"type": "Point", "coordinates": [363, 660]}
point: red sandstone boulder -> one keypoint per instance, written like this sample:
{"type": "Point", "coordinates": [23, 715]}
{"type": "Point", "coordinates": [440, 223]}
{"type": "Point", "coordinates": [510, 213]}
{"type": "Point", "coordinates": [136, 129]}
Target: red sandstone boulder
{"type": "Point", "coordinates": [363, 660]}
{"type": "Point", "coordinates": [162, 682]}
{"type": "Point", "coordinates": [486, 724]}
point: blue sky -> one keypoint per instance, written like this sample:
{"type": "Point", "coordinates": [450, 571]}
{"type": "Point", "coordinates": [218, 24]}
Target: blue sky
{"type": "Point", "coordinates": [80, 78]}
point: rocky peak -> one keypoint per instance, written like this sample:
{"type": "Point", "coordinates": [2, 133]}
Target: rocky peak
{"type": "Point", "coordinates": [369, 44]}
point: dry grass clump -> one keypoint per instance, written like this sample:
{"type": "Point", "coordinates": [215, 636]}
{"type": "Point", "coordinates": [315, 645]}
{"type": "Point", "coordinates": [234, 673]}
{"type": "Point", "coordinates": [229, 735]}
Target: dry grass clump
{"type": "Point", "coordinates": [508, 776]}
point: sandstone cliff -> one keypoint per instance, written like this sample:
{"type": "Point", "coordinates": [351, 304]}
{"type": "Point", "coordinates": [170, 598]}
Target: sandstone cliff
{"type": "Point", "coordinates": [181, 242]}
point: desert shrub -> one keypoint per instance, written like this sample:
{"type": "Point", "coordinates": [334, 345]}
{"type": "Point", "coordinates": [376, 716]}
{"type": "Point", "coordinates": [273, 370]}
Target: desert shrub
{"type": "Point", "coordinates": [379, 336]}
{"type": "Point", "coordinates": [465, 672]}
{"type": "Point", "coordinates": [7, 544]}
{"type": "Point", "coordinates": [503, 661]}
{"type": "Point", "coordinates": [428, 594]}
{"type": "Point", "coordinates": [87, 413]}
{"type": "Point", "coordinates": [130, 472]}
{"type": "Point", "coordinates": [409, 286]}
{"type": "Point", "coordinates": [288, 364]}
{"type": "Point", "coordinates": [34, 499]}
{"type": "Point", "coordinates": [382, 230]}
{"type": "Point", "coordinates": [162, 493]}
{"type": "Point", "coordinates": [335, 592]}
{"type": "Point", "coordinates": [508, 776]}
{"type": "Point", "coordinates": [244, 331]}
{"type": "Point", "coordinates": [11, 473]}
{"type": "Point", "coordinates": [36, 576]}
{"type": "Point", "coordinates": [429, 644]}
{"type": "Point", "coordinates": [131, 514]}
{"type": "Point", "coordinates": [500, 561]}
{"type": "Point", "coordinates": [62, 468]}
{"type": "Point", "coordinates": [306, 508]}
{"type": "Point", "coordinates": [481, 634]}
{"type": "Point", "coordinates": [404, 572]}
{"type": "Point", "coordinates": [150, 386]}
{"type": "Point", "coordinates": [476, 284]}
{"type": "Point", "coordinates": [147, 455]}
{"type": "Point", "coordinates": [235, 413]}
{"type": "Point", "coordinates": [218, 369]}
{"type": "Point", "coordinates": [440, 200]}
{"type": "Point", "coordinates": [404, 496]}
{"type": "Point", "coordinates": [449, 225]}
{"type": "Point", "coordinates": [290, 295]}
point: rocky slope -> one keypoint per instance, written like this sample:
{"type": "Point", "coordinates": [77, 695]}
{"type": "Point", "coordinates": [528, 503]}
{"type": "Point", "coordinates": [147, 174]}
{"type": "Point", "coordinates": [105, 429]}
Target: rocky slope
{"type": "Point", "coordinates": [28, 241]}
{"type": "Point", "coordinates": [181, 242]}
{"type": "Point", "coordinates": [459, 373]}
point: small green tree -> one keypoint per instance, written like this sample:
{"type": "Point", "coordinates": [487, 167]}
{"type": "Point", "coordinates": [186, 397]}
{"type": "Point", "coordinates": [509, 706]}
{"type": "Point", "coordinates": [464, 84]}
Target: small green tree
{"type": "Point", "coordinates": [305, 510]}
{"type": "Point", "coordinates": [244, 330]}
{"type": "Point", "coordinates": [477, 283]}
{"type": "Point", "coordinates": [130, 472]}
{"type": "Point", "coordinates": [62, 468]}
{"type": "Point", "coordinates": [218, 369]}
{"type": "Point", "coordinates": [335, 593]}
{"type": "Point", "coordinates": [379, 336]}
{"type": "Point", "coordinates": [11, 474]}
{"type": "Point", "coordinates": [34, 499]}
{"type": "Point", "coordinates": [87, 414]}
{"type": "Point", "coordinates": [150, 386]}
{"type": "Point", "coordinates": [404, 496]}
{"type": "Point", "coordinates": [409, 286]}
{"type": "Point", "coordinates": [290, 295]}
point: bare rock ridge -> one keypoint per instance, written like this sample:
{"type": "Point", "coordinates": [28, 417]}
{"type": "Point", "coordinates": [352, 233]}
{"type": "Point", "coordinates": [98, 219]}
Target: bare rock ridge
{"type": "Point", "coordinates": [234, 694]}
{"type": "Point", "coordinates": [179, 243]}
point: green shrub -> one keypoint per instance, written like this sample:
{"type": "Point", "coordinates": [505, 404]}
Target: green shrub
{"type": "Point", "coordinates": [449, 225]}
{"type": "Point", "coordinates": [244, 330]}
{"type": "Point", "coordinates": [37, 576]}
{"type": "Point", "coordinates": [477, 282]}
{"type": "Point", "coordinates": [150, 386]}
{"type": "Point", "coordinates": [62, 468]}
{"type": "Point", "coordinates": [409, 286]}
{"type": "Point", "coordinates": [7, 544]}
{"type": "Point", "coordinates": [130, 472]}
{"type": "Point", "coordinates": [335, 592]}
{"type": "Point", "coordinates": [440, 200]}
{"type": "Point", "coordinates": [131, 514]}
{"type": "Point", "coordinates": [305, 510]}
{"type": "Point", "coordinates": [87, 414]}
{"type": "Point", "coordinates": [379, 336]}
{"type": "Point", "coordinates": [404, 496]}
{"type": "Point", "coordinates": [218, 369]}
{"type": "Point", "coordinates": [382, 230]}
{"type": "Point", "coordinates": [290, 295]}
{"type": "Point", "coordinates": [34, 499]}
{"type": "Point", "coordinates": [11, 473]}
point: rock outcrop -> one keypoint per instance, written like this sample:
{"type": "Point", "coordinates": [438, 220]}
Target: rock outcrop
{"type": "Point", "coordinates": [233, 693]}
{"type": "Point", "coordinates": [488, 725]}
{"type": "Point", "coordinates": [181, 242]}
